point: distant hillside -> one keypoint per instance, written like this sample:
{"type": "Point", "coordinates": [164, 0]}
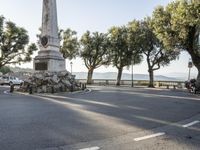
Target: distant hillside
{"type": "Point", "coordinates": [111, 75]}
{"type": "Point", "coordinates": [181, 76]}
{"type": "Point", "coordinates": [18, 69]}
{"type": "Point", "coordinates": [125, 76]}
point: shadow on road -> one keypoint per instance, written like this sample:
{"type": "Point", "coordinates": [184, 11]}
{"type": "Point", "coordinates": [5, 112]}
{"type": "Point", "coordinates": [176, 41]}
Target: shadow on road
{"type": "Point", "coordinates": [55, 120]}
{"type": "Point", "coordinates": [132, 111]}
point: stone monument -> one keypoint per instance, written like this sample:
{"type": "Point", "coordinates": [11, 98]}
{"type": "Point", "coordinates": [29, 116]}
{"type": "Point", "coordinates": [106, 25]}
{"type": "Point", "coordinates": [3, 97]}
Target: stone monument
{"type": "Point", "coordinates": [50, 73]}
{"type": "Point", "coordinates": [49, 57]}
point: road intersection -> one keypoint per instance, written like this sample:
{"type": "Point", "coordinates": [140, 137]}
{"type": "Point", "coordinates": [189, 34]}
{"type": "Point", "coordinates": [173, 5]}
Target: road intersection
{"type": "Point", "coordinates": [106, 118]}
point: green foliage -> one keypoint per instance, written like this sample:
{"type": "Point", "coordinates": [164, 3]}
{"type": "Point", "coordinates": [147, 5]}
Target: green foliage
{"type": "Point", "coordinates": [134, 42]}
{"type": "Point", "coordinates": [14, 46]}
{"type": "Point", "coordinates": [178, 27]}
{"type": "Point", "coordinates": [120, 53]}
{"type": "Point", "coordinates": [157, 55]}
{"type": "Point", "coordinates": [5, 69]}
{"type": "Point", "coordinates": [94, 49]}
{"type": "Point", "coordinates": [153, 49]}
{"type": "Point", "coordinates": [70, 45]}
{"type": "Point", "coordinates": [175, 23]}
{"type": "Point", "coordinates": [123, 46]}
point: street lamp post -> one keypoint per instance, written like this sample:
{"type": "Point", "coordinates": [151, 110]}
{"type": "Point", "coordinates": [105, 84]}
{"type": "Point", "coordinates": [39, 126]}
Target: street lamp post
{"type": "Point", "coordinates": [71, 63]}
{"type": "Point", "coordinates": [190, 65]}
{"type": "Point", "coordinates": [132, 84]}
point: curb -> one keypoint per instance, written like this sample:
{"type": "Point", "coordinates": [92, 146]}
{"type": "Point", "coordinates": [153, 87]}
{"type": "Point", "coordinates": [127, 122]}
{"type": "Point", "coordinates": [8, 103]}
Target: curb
{"type": "Point", "coordinates": [86, 91]}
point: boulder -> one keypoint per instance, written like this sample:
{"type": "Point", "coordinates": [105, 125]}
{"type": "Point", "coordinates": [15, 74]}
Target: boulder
{"type": "Point", "coordinates": [50, 82]}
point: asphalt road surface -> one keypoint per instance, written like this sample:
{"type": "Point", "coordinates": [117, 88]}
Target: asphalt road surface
{"type": "Point", "coordinates": [107, 118]}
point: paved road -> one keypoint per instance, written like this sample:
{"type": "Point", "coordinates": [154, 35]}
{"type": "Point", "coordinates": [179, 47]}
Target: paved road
{"type": "Point", "coordinates": [107, 118]}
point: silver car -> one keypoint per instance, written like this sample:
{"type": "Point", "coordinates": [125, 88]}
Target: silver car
{"type": "Point", "coordinates": [9, 80]}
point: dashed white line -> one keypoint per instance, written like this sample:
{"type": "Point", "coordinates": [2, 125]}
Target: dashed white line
{"type": "Point", "coordinates": [5, 92]}
{"type": "Point", "coordinates": [191, 124]}
{"type": "Point", "coordinates": [91, 148]}
{"type": "Point", "coordinates": [88, 91]}
{"type": "Point", "coordinates": [149, 136]}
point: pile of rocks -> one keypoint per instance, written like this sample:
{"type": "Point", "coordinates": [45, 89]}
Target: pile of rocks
{"type": "Point", "coordinates": [50, 82]}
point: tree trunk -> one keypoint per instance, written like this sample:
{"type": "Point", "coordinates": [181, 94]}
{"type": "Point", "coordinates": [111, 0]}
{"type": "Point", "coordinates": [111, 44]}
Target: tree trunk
{"type": "Point", "coordinates": [198, 79]}
{"type": "Point", "coordinates": [196, 62]}
{"type": "Point", "coordinates": [151, 78]}
{"type": "Point", "coordinates": [90, 74]}
{"type": "Point", "coordinates": [193, 31]}
{"type": "Point", "coordinates": [119, 76]}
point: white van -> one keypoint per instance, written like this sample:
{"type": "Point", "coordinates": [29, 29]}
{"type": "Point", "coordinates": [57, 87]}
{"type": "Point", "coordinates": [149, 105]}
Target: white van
{"type": "Point", "coordinates": [9, 80]}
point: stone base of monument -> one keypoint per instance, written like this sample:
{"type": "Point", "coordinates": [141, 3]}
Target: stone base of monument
{"type": "Point", "coordinates": [50, 82]}
{"type": "Point", "coordinates": [49, 60]}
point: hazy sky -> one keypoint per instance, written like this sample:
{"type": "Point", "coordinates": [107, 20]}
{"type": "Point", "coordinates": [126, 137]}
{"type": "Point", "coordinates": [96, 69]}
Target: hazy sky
{"type": "Point", "coordinates": [93, 15]}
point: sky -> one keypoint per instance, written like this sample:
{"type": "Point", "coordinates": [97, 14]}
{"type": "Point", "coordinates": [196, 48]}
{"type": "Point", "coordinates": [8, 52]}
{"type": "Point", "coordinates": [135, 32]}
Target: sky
{"type": "Point", "coordinates": [92, 15]}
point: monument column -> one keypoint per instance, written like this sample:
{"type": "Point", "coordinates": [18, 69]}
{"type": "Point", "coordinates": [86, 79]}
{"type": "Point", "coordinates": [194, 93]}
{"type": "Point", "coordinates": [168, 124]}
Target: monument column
{"type": "Point", "coordinates": [49, 57]}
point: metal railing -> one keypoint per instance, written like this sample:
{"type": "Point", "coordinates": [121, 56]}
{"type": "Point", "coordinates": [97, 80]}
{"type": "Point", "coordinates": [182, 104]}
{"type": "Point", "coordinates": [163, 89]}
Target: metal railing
{"type": "Point", "coordinates": [167, 84]}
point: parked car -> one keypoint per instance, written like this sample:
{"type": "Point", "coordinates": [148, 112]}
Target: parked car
{"type": "Point", "coordinates": [9, 80]}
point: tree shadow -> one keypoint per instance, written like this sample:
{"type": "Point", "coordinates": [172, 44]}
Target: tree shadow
{"type": "Point", "coordinates": [122, 112]}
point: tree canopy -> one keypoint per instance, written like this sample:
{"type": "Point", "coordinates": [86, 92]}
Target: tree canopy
{"type": "Point", "coordinates": [156, 54]}
{"type": "Point", "coordinates": [69, 44]}
{"type": "Point", "coordinates": [94, 50]}
{"type": "Point", "coordinates": [134, 42]}
{"type": "Point", "coordinates": [14, 41]}
{"type": "Point", "coordinates": [123, 50]}
{"type": "Point", "coordinates": [5, 70]}
{"type": "Point", "coordinates": [178, 26]}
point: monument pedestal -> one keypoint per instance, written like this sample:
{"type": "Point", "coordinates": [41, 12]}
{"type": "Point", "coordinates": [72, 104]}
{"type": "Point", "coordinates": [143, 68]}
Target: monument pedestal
{"type": "Point", "coordinates": [49, 60]}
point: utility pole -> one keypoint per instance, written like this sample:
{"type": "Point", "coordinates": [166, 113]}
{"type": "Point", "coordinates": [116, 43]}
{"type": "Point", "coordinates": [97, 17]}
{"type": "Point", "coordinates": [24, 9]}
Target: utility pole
{"type": "Point", "coordinates": [132, 84]}
{"type": "Point", "coordinates": [190, 65]}
{"type": "Point", "coordinates": [71, 63]}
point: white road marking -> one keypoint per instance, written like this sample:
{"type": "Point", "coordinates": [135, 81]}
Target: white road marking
{"type": "Point", "coordinates": [6, 92]}
{"type": "Point", "coordinates": [89, 91]}
{"type": "Point", "coordinates": [79, 99]}
{"type": "Point", "coordinates": [91, 148]}
{"type": "Point", "coordinates": [157, 95]}
{"type": "Point", "coordinates": [149, 136]}
{"type": "Point", "coordinates": [191, 124]}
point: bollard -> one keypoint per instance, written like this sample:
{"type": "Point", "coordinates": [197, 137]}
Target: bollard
{"type": "Point", "coordinates": [65, 88]}
{"type": "Point", "coordinates": [174, 87]}
{"type": "Point", "coordinates": [85, 86]}
{"type": "Point", "coordinates": [82, 87]}
{"type": "Point", "coordinates": [167, 86]}
{"type": "Point", "coordinates": [61, 89]}
{"type": "Point", "coordinates": [80, 84]}
{"type": "Point", "coordinates": [71, 88]}
{"type": "Point", "coordinates": [30, 89]}
{"type": "Point", "coordinates": [11, 88]}
{"type": "Point", "coordinates": [52, 90]}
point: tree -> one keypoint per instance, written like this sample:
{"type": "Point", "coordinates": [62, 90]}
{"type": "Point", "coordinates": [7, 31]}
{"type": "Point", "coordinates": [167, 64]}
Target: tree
{"type": "Point", "coordinates": [69, 44]}
{"type": "Point", "coordinates": [94, 51]}
{"type": "Point", "coordinates": [153, 49]}
{"type": "Point", "coordinates": [5, 69]}
{"type": "Point", "coordinates": [14, 48]}
{"type": "Point", "coordinates": [178, 27]}
{"type": "Point", "coordinates": [122, 50]}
